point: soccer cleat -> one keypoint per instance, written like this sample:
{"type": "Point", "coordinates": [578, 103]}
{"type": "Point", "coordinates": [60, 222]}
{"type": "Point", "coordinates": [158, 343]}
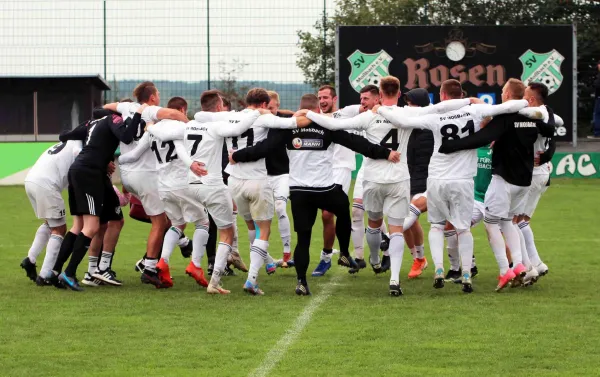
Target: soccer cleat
{"type": "Point", "coordinates": [520, 272]}
{"type": "Point", "coordinates": [385, 242]}
{"type": "Point", "coordinates": [504, 280]}
{"type": "Point", "coordinates": [376, 268]}
{"type": "Point", "coordinates": [151, 277]}
{"type": "Point", "coordinates": [197, 273]}
{"type": "Point", "coordinates": [322, 268]}
{"type": "Point", "coordinates": [467, 283]}
{"type": "Point", "coordinates": [360, 265]}
{"type": "Point", "coordinates": [385, 263]}
{"type": "Point", "coordinates": [236, 260]}
{"type": "Point", "coordinates": [270, 268]}
{"type": "Point", "coordinates": [302, 289]}
{"type": "Point", "coordinates": [216, 290]}
{"type": "Point", "coordinates": [209, 269]}
{"type": "Point", "coordinates": [253, 289]}
{"type": "Point", "coordinates": [474, 271]}
{"type": "Point", "coordinates": [419, 265]}
{"type": "Point", "coordinates": [90, 281]}
{"type": "Point", "coordinates": [453, 275]}
{"type": "Point", "coordinates": [53, 279]}
{"type": "Point", "coordinates": [228, 272]}
{"type": "Point", "coordinates": [70, 282]}
{"type": "Point", "coordinates": [542, 269]}
{"type": "Point", "coordinates": [347, 261]}
{"type": "Point", "coordinates": [531, 276]}
{"type": "Point", "coordinates": [438, 279]}
{"type": "Point", "coordinates": [108, 277]}
{"type": "Point", "coordinates": [41, 282]}
{"type": "Point", "coordinates": [30, 269]}
{"type": "Point", "coordinates": [139, 266]}
{"type": "Point", "coordinates": [395, 289]}
{"type": "Point", "coordinates": [186, 251]}
{"type": "Point", "coordinates": [164, 273]}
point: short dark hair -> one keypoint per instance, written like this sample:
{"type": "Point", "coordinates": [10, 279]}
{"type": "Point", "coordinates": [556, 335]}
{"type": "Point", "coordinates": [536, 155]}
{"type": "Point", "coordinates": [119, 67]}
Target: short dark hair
{"type": "Point", "coordinates": [209, 100]}
{"type": "Point", "coordinates": [309, 102]}
{"type": "Point", "coordinates": [177, 103]}
{"type": "Point", "coordinates": [226, 102]}
{"type": "Point", "coordinates": [126, 99]}
{"type": "Point", "coordinates": [452, 88]}
{"type": "Point", "coordinates": [371, 89]}
{"type": "Point", "coordinates": [143, 91]}
{"type": "Point", "coordinates": [540, 90]}
{"type": "Point", "coordinates": [331, 90]}
{"type": "Point", "coordinates": [257, 96]}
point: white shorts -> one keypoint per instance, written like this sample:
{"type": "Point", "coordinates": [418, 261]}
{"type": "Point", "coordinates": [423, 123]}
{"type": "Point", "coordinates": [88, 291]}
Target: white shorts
{"type": "Point", "coordinates": [390, 199]}
{"type": "Point", "coordinates": [478, 213]}
{"type": "Point", "coordinates": [503, 200]}
{"type": "Point", "coordinates": [217, 200]}
{"type": "Point", "coordinates": [358, 184]}
{"type": "Point", "coordinates": [47, 204]}
{"type": "Point", "coordinates": [144, 186]}
{"type": "Point", "coordinates": [253, 197]}
{"type": "Point", "coordinates": [451, 200]}
{"type": "Point", "coordinates": [281, 186]}
{"type": "Point", "coordinates": [342, 177]}
{"type": "Point", "coordinates": [537, 188]}
{"type": "Point", "coordinates": [182, 206]}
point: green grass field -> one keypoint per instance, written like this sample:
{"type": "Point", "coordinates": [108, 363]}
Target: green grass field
{"type": "Point", "coordinates": [349, 327]}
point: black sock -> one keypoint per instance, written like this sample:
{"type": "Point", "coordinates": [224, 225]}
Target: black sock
{"type": "Point", "coordinates": [82, 243]}
{"type": "Point", "coordinates": [66, 248]}
{"type": "Point", "coordinates": [327, 251]}
{"type": "Point", "coordinates": [302, 254]}
{"type": "Point", "coordinates": [211, 243]}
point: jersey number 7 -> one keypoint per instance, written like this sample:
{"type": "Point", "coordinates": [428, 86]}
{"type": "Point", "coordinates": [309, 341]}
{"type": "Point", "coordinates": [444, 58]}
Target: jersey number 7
{"type": "Point", "coordinates": [197, 139]}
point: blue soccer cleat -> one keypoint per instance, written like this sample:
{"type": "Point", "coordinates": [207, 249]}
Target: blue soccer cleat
{"type": "Point", "coordinates": [70, 282]}
{"type": "Point", "coordinates": [253, 289]}
{"type": "Point", "coordinates": [270, 268]}
{"type": "Point", "coordinates": [321, 268]}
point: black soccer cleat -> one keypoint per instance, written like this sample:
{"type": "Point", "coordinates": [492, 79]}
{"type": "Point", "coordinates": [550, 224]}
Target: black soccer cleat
{"type": "Point", "coordinates": [467, 285]}
{"type": "Point", "coordinates": [228, 272]}
{"type": "Point", "coordinates": [376, 268]}
{"type": "Point", "coordinates": [151, 277]}
{"type": "Point", "coordinates": [361, 264]}
{"type": "Point", "coordinates": [41, 282]}
{"type": "Point", "coordinates": [385, 242]}
{"type": "Point", "coordinates": [385, 263]}
{"type": "Point", "coordinates": [474, 271]}
{"type": "Point", "coordinates": [186, 251]}
{"type": "Point", "coordinates": [347, 261]}
{"type": "Point", "coordinates": [210, 268]}
{"type": "Point", "coordinates": [30, 269]}
{"type": "Point", "coordinates": [453, 275]}
{"type": "Point", "coordinates": [53, 279]}
{"type": "Point", "coordinates": [139, 266]}
{"type": "Point", "coordinates": [395, 289]}
{"type": "Point", "coordinates": [302, 289]}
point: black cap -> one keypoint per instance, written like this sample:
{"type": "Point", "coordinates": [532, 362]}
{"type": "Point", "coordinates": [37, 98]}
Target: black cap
{"type": "Point", "coordinates": [418, 96]}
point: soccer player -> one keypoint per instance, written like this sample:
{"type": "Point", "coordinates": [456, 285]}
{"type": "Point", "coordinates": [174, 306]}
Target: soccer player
{"type": "Point", "coordinates": [91, 195]}
{"type": "Point", "coordinates": [311, 183]}
{"type": "Point", "coordinates": [512, 164]}
{"type": "Point", "coordinates": [44, 183]}
{"type": "Point", "coordinates": [386, 185]}
{"type": "Point", "coordinates": [140, 177]}
{"type": "Point", "coordinates": [450, 181]}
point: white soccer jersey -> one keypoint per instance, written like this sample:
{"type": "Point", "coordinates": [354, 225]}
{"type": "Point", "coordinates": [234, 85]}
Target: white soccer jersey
{"type": "Point", "coordinates": [541, 144]}
{"type": "Point", "coordinates": [342, 156]}
{"type": "Point", "coordinates": [172, 171]}
{"type": "Point", "coordinates": [256, 133]}
{"type": "Point", "coordinates": [146, 162]}
{"type": "Point", "coordinates": [452, 125]}
{"type": "Point", "coordinates": [204, 142]}
{"type": "Point", "coordinates": [379, 130]}
{"type": "Point", "coordinates": [52, 167]}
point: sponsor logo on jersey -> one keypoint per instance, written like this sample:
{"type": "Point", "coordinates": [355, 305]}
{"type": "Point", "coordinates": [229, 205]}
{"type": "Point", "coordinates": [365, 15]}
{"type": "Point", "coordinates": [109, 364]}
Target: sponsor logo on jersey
{"type": "Point", "coordinates": [542, 67]}
{"type": "Point", "coordinates": [312, 143]}
{"type": "Point", "coordinates": [297, 143]}
{"type": "Point", "coordinates": [368, 69]}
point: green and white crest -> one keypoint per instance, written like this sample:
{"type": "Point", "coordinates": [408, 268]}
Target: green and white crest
{"type": "Point", "coordinates": [543, 68]}
{"type": "Point", "coordinates": [368, 68]}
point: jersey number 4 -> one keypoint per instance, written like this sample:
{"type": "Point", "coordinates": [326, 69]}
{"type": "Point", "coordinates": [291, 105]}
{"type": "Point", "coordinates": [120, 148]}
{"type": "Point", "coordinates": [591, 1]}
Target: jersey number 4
{"type": "Point", "coordinates": [170, 153]}
{"type": "Point", "coordinates": [391, 140]}
{"type": "Point", "coordinates": [451, 131]}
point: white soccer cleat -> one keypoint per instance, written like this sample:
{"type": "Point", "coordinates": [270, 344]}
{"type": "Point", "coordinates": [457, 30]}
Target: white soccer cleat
{"type": "Point", "coordinates": [542, 269]}
{"type": "Point", "coordinates": [531, 276]}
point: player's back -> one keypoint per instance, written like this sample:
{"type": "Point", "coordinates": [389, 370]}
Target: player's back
{"type": "Point", "coordinates": [100, 145]}
{"type": "Point", "coordinates": [381, 131]}
{"type": "Point", "coordinates": [252, 136]}
{"type": "Point", "coordinates": [454, 125]}
{"type": "Point", "coordinates": [52, 167]}
{"type": "Point", "coordinates": [146, 162]}
{"type": "Point", "coordinates": [206, 146]}
{"type": "Point", "coordinates": [172, 172]}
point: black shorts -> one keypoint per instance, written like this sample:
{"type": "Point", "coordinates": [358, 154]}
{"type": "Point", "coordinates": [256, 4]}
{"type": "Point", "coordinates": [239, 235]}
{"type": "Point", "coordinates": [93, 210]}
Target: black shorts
{"type": "Point", "coordinates": [91, 193]}
{"type": "Point", "coordinates": [306, 203]}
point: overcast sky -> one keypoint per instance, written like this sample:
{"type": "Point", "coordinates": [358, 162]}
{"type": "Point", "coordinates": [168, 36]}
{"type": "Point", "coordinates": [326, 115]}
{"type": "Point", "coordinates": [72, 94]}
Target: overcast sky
{"type": "Point", "coordinates": [155, 39]}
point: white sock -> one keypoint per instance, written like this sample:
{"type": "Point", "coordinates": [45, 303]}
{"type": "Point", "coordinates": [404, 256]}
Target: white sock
{"type": "Point", "coordinates": [436, 244]}
{"type": "Point", "coordinates": [199, 242]}
{"type": "Point", "coordinates": [181, 242]}
{"type": "Point", "coordinates": [284, 225]}
{"type": "Point", "coordinates": [326, 256]}
{"type": "Point", "coordinates": [52, 250]}
{"type": "Point", "coordinates": [258, 255]}
{"type": "Point", "coordinates": [221, 255]}
{"type": "Point", "coordinates": [396, 253]}
{"type": "Point", "coordinates": [150, 264]}
{"type": "Point", "coordinates": [171, 239]}
{"type": "Point", "coordinates": [524, 253]}
{"type": "Point", "coordinates": [374, 241]}
{"type": "Point", "coordinates": [413, 216]}
{"type": "Point", "coordinates": [452, 248]}
{"type": "Point", "coordinates": [420, 251]}
{"type": "Point", "coordinates": [511, 235]}
{"type": "Point", "coordinates": [42, 236]}
{"type": "Point", "coordinates": [465, 248]}
{"type": "Point", "coordinates": [358, 230]}
{"type": "Point", "coordinates": [530, 243]}
{"type": "Point", "coordinates": [92, 264]}
{"type": "Point", "coordinates": [234, 242]}
{"type": "Point", "coordinates": [105, 259]}
{"type": "Point", "coordinates": [497, 243]}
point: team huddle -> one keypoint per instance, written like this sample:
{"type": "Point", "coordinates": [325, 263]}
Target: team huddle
{"type": "Point", "coordinates": [461, 161]}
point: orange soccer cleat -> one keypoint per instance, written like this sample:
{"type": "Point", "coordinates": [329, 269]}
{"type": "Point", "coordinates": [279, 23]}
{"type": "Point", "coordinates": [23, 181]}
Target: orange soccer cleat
{"type": "Point", "coordinates": [163, 273]}
{"type": "Point", "coordinates": [197, 273]}
{"type": "Point", "coordinates": [419, 265]}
